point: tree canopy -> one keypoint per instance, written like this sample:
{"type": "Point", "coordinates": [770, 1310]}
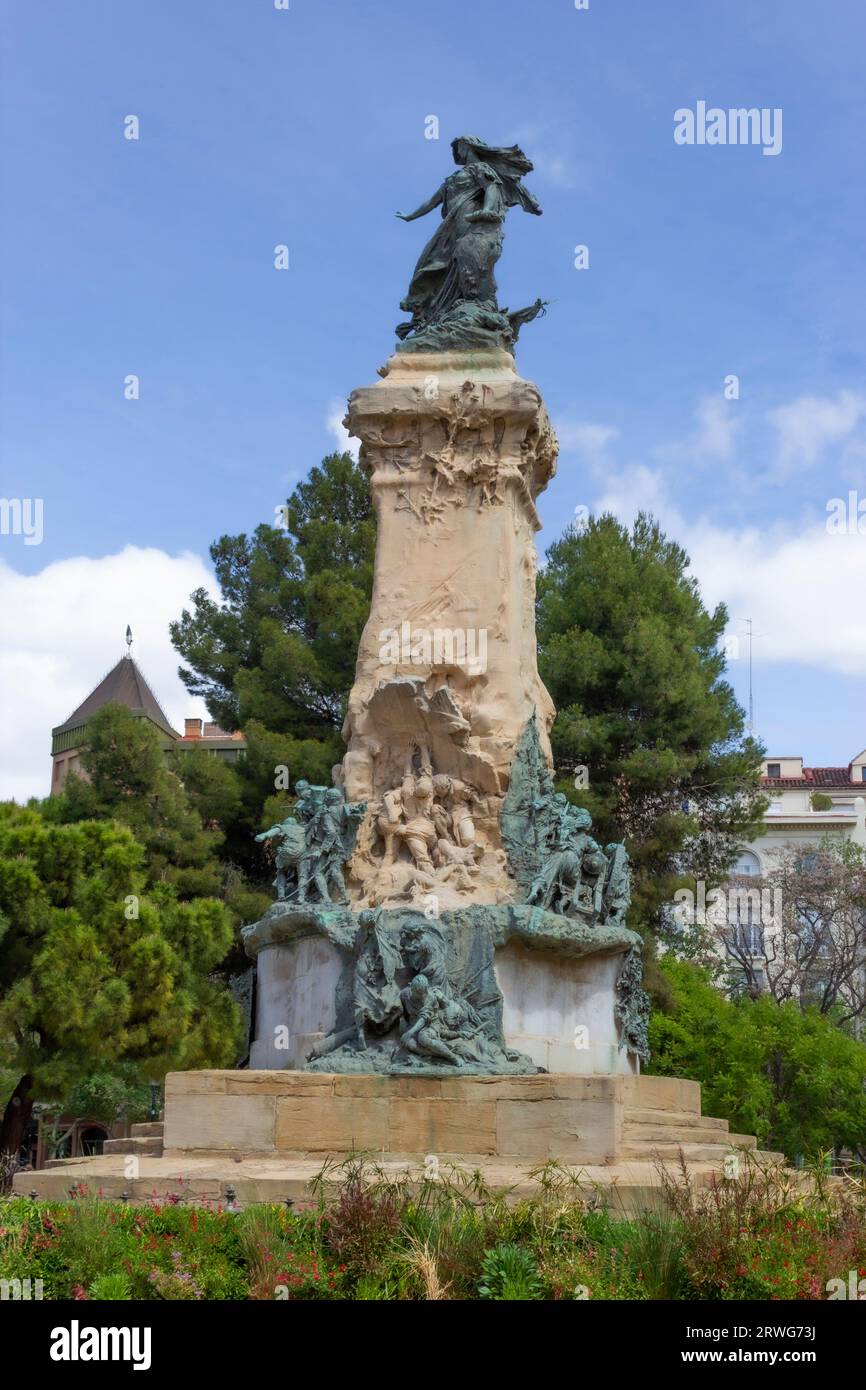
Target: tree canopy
{"type": "Point", "coordinates": [98, 967]}
{"type": "Point", "coordinates": [280, 647]}
{"type": "Point", "coordinates": [647, 726]}
{"type": "Point", "coordinates": [786, 1074]}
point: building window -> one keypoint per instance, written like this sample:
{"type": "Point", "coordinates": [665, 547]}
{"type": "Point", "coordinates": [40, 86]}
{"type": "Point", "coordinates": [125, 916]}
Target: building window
{"type": "Point", "coordinates": [774, 769]}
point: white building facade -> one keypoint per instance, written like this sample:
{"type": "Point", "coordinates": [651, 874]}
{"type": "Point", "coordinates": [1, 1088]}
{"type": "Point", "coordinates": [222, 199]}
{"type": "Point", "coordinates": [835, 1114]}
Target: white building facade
{"type": "Point", "coordinates": [807, 804]}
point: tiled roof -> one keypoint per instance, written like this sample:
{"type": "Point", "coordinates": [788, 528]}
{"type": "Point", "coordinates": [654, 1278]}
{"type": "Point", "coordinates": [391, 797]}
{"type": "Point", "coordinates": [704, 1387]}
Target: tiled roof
{"type": "Point", "coordinates": [124, 685]}
{"type": "Point", "coordinates": [212, 731]}
{"type": "Point", "coordinates": [837, 777]}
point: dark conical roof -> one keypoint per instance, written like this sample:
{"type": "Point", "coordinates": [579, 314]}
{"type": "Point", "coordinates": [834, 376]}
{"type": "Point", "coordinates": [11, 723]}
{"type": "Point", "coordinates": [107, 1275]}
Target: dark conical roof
{"type": "Point", "coordinates": [124, 685]}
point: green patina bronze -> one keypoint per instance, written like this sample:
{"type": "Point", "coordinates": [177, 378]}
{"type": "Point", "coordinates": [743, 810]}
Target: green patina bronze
{"type": "Point", "coordinates": [418, 996]}
{"type": "Point", "coordinates": [313, 845]}
{"type": "Point", "coordinates": [632, 1006]}
{"type": "Point", "coordinates": [452, 294]}
{"type": "Point", "coordinates": [560, 867]}
{"type": "Point", "coordinates": [418, 993]}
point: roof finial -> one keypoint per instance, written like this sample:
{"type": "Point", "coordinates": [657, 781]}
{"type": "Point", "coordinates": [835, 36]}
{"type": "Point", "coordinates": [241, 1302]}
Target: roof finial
{"type": "Point", "coordinates": [128, 640]}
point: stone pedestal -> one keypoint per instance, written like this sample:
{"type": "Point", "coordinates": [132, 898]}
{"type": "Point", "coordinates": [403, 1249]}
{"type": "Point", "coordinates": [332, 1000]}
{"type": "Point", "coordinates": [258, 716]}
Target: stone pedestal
{"type": "Point", "coordinates": [560, 1011]}
{"type": "Point", "coordinates": [268, 1135]}
{"type": "Point", "coordinates": [457, 447]}
{"type": "Point", "coordinates": [558, 983]}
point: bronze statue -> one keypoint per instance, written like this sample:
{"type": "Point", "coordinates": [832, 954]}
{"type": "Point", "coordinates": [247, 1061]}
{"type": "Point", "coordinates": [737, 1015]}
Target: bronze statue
{"type": "Point", "coordinates": [452, 294]}
{"type": "Point", "coordinates": [314, 844]}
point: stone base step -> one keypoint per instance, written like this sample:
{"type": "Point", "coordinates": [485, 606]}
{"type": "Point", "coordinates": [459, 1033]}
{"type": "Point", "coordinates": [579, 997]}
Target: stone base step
{"type": "Point", "coordinates": [148, 1129]}
{"type": "Point", "coordinates": [652, 1135]}
{"type": "Point", "coordinates": [626, 1187]}
{"type": "Point", "coordinates": [701, 1150]}
{"type": "Point", "coordinates": [676, 1119]}
{"type": "Point", "coordinates": [152, 1147]}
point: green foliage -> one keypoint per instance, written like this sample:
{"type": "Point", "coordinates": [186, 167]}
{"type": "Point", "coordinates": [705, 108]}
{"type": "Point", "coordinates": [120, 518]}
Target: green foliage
{"type": "Point", "coordinates": [111, 1288]}
{"type": "Point", "coordinates": [820, 801]}
{"type": "Point", "coordinates": [116, 1093]}
{"type": "Point", "coordinates": [280, 648]}
{"type": "Point", "coordinates": [508, 1275]}
{"type": "Point", "coordinates": [758, 1237]}
{"type": "Point", "coordinates": [87, 1247]}
{"type": "Point", "coordinates": [284, 1257]}
{"type": "Point", "coordinates": [276, 657]}
{"type": "Point", "coordinates": [631, 658]}
{"type": "Point", "coordinates": [212, 785]}
{"type": "Point", "coordinates": [761, 1237]}
{"type": "Point", "coordinates": [182, 808]}
{"type": "Point", "coordinates": [97, 966]}
{"type": "Point", "coordinates": [786, 1074]}
{"type": "Point", "coordinates": [130, 782]}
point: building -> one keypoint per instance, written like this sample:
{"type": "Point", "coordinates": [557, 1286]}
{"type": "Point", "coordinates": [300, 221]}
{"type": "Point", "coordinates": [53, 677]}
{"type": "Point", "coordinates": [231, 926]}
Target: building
{"type": "Point", "coordinates": [806, 804]}
{"type": "Point", "coordinates": [126, 685]}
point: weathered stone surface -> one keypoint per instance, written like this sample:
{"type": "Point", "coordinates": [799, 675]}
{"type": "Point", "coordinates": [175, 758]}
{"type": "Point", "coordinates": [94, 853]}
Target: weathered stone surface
{"type": "Point", "coordinates": [442, 1126]}
{"type": "Point", "coordinates": [662, 1093]}
{"type": "Point", "coordinates": [584, 1132]}
{"type": "Point", "coordinates": [228, 1124]}
{"type": "Point", "coordinates": [297, 978]}
{"type": "Point", "coordinates": [457, 447]}
{"type": "Point", "coordinates": [331, 1124]}
{"type": "Point", "coordinates": [559, 1010]}
{"type": "Point", "coordinates": [242, 1122]}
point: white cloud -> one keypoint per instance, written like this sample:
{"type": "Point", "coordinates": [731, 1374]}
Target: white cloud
{"type": "Point", "coordinates": [711, 439]}
{"type": "Point", "coordinates": [808, 425]}
{"type": "Point", "coordinates": [716, 425]}
{"type": "Point", "coordinates": [638, 488]}
{"type": "Point", "coordinates": [345, 442]}
{"type": "Point", "coordinates": [581, 437]}
{"type": "Point", "coordinates": [554, 161]}
{"type": "Point", "coordinates": [62, 630]}
{"type": "Point", "coordinates": [802, 585]}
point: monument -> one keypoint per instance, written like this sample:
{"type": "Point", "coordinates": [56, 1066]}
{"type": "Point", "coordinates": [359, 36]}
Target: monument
{"type": "Point", "coordinates": [447, 967]}
{"type": "Point", "coordinates": [442, 910]}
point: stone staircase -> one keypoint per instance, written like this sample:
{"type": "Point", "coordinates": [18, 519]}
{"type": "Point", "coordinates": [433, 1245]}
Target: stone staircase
{"type": "Point", "coordinates": [145, 1140]}
{"type": "Point", "coordinates": [650, 1132]}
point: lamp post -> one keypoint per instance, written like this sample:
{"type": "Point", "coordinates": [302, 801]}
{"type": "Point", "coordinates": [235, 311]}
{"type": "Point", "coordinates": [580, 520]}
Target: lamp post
{"type": "Point", "coordinates": [153, 1113]}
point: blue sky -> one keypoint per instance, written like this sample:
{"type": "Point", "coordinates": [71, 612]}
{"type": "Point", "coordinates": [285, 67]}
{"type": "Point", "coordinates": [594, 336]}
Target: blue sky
{"type": "Point", "coordinates": [307, 127]}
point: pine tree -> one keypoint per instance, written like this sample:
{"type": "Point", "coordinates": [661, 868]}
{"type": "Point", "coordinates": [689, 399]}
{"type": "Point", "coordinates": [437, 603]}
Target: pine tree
{"type": "Point", "coordinates": [98, 964]}
{"type": "Point", "coordinates": [648, 732]}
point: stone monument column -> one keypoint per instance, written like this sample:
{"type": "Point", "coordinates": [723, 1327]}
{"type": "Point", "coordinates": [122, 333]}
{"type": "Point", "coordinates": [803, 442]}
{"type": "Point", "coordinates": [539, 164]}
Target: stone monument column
{"type": "Point", "coordinates": [442, 908]}
{"type": "Point", "coordinates": [457, 447]}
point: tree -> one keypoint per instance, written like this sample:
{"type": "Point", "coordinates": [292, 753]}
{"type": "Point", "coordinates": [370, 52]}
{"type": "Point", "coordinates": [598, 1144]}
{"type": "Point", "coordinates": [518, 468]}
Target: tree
{"type": "Point", "coordinates": [115, 1093]}
{"type": "Point", "coordinates": [276, 657]}
{"type": "Point", "coordinates": [130, 781]}
{"type": "Point", "coordinates": [97, 967]}
{"type": "Point", "coordinates": [280, 648]}
{"type": "Point", "coordinates": [786, 1074]}
{"type": "Point", "coordinates": [800, 930]}
{"type": "Point", "coordinates": [646, 725]}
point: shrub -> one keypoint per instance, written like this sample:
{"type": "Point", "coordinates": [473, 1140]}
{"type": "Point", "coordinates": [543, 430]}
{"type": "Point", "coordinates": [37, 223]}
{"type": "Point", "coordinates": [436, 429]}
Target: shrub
{"type": "Point", "coordinates": [509, 1274]}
